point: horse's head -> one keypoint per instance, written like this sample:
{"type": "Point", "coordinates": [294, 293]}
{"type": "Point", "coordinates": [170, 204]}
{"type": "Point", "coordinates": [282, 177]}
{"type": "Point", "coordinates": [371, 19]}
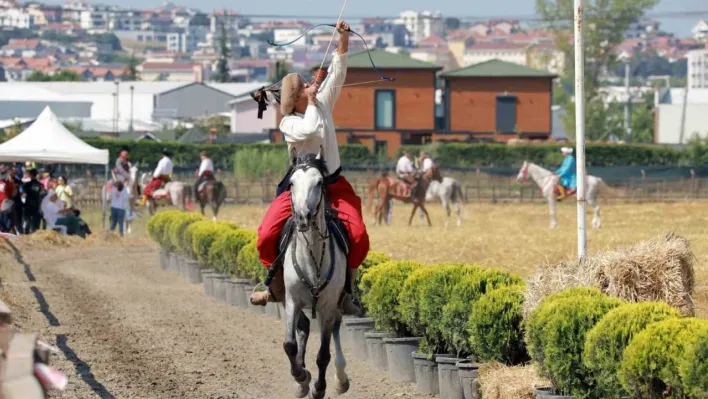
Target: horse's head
{"type": "Point", "coordinates": [523, 172]}
{"type": "Point", "coordinates": [435, 174]}
{"type": "Point", "coordinates": [134, 172]}
{"type": "Point", "coordinates": [307, 190]}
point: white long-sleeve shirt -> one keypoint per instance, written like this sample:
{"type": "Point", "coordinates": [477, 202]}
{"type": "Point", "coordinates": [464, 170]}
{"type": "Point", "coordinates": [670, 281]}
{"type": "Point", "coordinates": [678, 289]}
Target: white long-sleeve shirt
{"type": "Point", "coordinates": [427, 164]}
{"type": "Point", "coordinates": [307, 132]}
{"type": "Point", "coordinates": [206, 165]}
{"type": "Point", "coordinates": [164, 167]}
{"type": "Point", "coordinates": [404, 166]}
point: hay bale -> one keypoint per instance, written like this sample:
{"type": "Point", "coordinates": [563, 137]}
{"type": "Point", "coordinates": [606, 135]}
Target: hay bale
{"type": "Point", "coordinates": [498, 381]}
{"type": "Point", "coordinates": [550, 279]}
{"type": "Point", "coordinates": [660, 269]}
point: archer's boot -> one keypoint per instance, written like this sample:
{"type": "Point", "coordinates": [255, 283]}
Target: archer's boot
{"type": "Point", "coordinates": [350, 303]}
{"type": "Point", "coordinates": [563, 193]}
{"type": "Point", "coordinates": [142, 200]}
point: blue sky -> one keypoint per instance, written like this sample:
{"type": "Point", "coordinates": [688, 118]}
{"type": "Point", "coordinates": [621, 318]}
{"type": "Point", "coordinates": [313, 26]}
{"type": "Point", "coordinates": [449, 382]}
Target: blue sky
{"type": "Point", "coordinates": [481, 8]}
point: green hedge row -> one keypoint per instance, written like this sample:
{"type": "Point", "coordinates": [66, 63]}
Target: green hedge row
{"type": "Point", "coordinates": [148, 152]}
{"type": "Point", "coordinates": [586, 343]}
{"type": "Point", "coordinates": [593, 346]}
{"type": "Point", "coordinates": [456, 308]}
{"type": "Point", "coordinates": [223, 246]}
{"type": "Point", "coordinates": [470, 155]}
{"type": "Point", "coordinates": [447, 155]}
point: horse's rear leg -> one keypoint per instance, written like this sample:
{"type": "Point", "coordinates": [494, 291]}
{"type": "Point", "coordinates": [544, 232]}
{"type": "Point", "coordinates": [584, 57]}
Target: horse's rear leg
{"type": "Point", "coordinates": [427, 216]}
{"type": "Point", "coordinates": [410, 219]}
{"type": "Point", "coordinates": [300, 374]}
{"type": "Point", "coordinates": [339, 362]}
{"type": "Point", "coordinates": [323, 359]}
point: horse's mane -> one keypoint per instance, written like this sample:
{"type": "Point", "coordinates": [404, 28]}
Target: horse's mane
{"type": "Point", "coordinates": [310, 161]}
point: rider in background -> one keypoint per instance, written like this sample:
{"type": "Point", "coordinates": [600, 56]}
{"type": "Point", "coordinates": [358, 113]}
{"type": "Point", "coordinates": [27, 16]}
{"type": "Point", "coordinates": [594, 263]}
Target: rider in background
{"type": "Point", "coordinates": [566, 172]}
{"type": "Point", "coordinates": [122, 169]}
{"type": "Point", "coordinates": [161, 176]}
{"type": "Point", "coordinates": [206, 171]}
{"type": "Point", "coordinates": [425, 160]}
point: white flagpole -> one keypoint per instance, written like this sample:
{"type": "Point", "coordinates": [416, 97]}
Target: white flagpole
{"type": "Point", "coordinates": [580, 126]}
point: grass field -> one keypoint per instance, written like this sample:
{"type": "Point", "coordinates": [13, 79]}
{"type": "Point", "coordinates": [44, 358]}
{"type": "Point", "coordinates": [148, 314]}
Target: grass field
{"type": "Point", "coordinates": [516, 237]}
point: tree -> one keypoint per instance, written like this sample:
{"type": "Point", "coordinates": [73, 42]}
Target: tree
{"type": "Point", "coordinates": [643, 120]}
{"type": "Point", "coordinates": [59, 76]}
{"type": "Point", "coordinates": [222, 67]}
{"type": "Point", "coordinates": [199, 19]}
{"type": "Point", "coordinates": [452, 23]}
{"type": "Point", "coordinates": [605, 22]}
{"type": "Point", "coordinates": [131, 70]}
{"type": "Point", "coordinates": [280, 69]}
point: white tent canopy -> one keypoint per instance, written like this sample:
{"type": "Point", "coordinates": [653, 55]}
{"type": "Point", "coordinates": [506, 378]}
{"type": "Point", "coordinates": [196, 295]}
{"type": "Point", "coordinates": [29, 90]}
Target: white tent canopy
{"type": "Point", "coordinates": [48, 141]}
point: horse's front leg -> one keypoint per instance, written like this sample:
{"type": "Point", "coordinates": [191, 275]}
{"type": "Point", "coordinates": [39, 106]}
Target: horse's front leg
{"type": "Point", "coordinates": [303, 334]}
{"type": "Point", "coordinates": [323, 359]}
{"type": "Point", "coordinates": [410, 220]}
{"type": "Point", "coordinates": [300, 374]}
{"type": "Point", "coordinates": [446, 206]}
{"type": "Point", "coordinates": [552, 210]}
{"type": "Point", "coordinates": [339, 362]}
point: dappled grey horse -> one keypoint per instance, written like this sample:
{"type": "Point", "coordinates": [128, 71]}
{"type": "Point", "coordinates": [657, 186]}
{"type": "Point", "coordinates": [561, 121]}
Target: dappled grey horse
{"type": "Point", "coordinates": [314, 273]}
{"type": "Point", "coordinates": [449, 191]}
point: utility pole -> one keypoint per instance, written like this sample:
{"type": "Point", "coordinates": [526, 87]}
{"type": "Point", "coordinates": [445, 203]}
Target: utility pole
{"type": "Point", "coordinates": [627, 104]}
{"type": "Point", "coordinates": [580, 125]}
{"type": "Point", "coordinates": [683, 112]}
{"type": "Point", "coordinates": [132, 92]}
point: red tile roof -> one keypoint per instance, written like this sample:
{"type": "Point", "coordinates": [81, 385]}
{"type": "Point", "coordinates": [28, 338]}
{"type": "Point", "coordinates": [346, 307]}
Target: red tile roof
{"type": "Point", "coordinates": [433, 40]}
{"type": "Point", "coordinates": [168, 66]}
{"type": "Point", "coordinates": [496, 46]}
{"type": "Point", "coordinates": [22, 43]}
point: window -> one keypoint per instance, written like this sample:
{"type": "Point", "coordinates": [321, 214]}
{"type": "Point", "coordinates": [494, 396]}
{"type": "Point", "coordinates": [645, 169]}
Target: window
{"type": "Point", "coordinates": [385, 109]}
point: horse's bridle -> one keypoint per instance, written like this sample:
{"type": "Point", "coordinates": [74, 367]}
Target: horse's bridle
{"type": "Point", "coordinates": [315, 288]}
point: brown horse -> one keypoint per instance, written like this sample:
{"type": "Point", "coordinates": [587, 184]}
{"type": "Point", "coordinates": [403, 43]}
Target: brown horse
{"type": "Point", "coordinates": [389, 188]}
{"type": "Point", "coordinates": [214, 194]}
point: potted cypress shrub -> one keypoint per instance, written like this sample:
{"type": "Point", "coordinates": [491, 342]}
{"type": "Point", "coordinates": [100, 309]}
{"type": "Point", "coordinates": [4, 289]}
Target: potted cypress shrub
{"type": "Point", "coordinates": [155, 229]}
{"type": "Point", "coordinates": [651, 366]}
{"type": "Point", "coordinates": [204, 236]}
{"type": "Point", "coordinates": [352, 326]}
{"type": "Point", "coordinates": [224, 254]}
{"type": "Point", "coordinates": [556, 332]}
{"type": "Point", "coordinates": [606, 342]}
{"type": "Point", "coordinates": [177, 229]}
{"type": "Point", "coordinates": [694, 367]}
{"type": "Point", "coordinates": [424, 295]}
{"type": "Point", "coordinates": [390, 348]}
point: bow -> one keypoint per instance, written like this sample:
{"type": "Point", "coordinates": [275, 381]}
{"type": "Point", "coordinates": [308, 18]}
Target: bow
{"type": "Point", "coordinates": [368, 52]}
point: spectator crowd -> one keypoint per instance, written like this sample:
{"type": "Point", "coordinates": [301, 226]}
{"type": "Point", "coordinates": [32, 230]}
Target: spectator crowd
{"type": "Point", "coordinates": [31, 201]}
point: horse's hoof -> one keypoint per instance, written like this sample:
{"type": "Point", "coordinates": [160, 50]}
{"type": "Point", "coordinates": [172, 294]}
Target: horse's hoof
{"type": "Point", "coordinates": [317, 395]}
{"type": "Point", "coordinates": [342, 387]}
{"type": "Point", "coordinates": [303, 388]}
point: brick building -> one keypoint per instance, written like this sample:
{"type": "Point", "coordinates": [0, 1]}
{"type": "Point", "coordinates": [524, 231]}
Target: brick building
{"type": "Point", "coordinates": [384, 114]}
{"type": "Point", "coordinates": [499, 100]}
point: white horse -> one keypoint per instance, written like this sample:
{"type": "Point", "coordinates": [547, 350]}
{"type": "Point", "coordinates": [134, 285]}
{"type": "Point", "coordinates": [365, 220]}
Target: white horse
{"type": "Point", "coordinates": [547, 182]}
{"type": "Point", "coordinates": [173, 193]}
{"type": "Point", "coordinates": [314, 270]}
{"type": "Point", "coordinates": [449, 191]}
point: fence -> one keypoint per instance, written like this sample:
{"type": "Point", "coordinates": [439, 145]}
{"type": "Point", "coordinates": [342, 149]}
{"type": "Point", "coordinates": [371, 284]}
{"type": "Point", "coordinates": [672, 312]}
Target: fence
{"type": "Point", "coordinates": [476, 187]}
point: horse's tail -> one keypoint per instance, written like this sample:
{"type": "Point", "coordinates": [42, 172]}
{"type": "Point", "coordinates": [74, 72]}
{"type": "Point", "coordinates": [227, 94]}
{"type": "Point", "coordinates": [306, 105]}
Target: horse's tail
{"type": "Point", "coordinates": [372, 190]}
{"type": "Point", "coordinates": [219, 192]}
{"type": "Point", "coordinates": [606, 188]}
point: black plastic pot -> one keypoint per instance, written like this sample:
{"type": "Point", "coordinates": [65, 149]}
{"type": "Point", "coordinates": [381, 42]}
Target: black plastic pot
{"type": "Point", "coordinates": [271, 309]}
{"type": "Point", "coordinates": [357, 328]}
{"type": "Point", "coordinates": [208, 281]}
{"type": "Point", "coordinates": [400, 360]}
{"type": "Point", "coordinates": [469, 379]}
{"type": "Point", "coordinates": [426, 374]}
{"type": "Point", "coordinates": [448, 377]}
{"type": "Point", "coordinates": [238, 295]}
{"type": "Point", "coordinates": [548, 393]}
{"type": "Point", "coordinates": [193, 275]}
{"type": "Point", "coordinates": [164, 260]}
{"type": "Point", "coordinates": [376, 349]}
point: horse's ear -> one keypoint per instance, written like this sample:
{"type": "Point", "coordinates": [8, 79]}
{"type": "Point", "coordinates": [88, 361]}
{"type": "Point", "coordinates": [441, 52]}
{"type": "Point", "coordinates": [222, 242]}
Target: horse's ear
{"type": "Point", "coordinates": [293, 156]}
{"type": "Point", "coordinates": [320, 153]}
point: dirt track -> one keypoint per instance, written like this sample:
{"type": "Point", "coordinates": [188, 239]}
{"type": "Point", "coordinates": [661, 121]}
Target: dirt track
{"type": "Point", "coordinates": [128, 329]}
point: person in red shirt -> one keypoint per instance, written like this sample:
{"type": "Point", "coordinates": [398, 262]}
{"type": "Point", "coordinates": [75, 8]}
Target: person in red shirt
{"type": "Point", "coordinates": [7, 192]}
